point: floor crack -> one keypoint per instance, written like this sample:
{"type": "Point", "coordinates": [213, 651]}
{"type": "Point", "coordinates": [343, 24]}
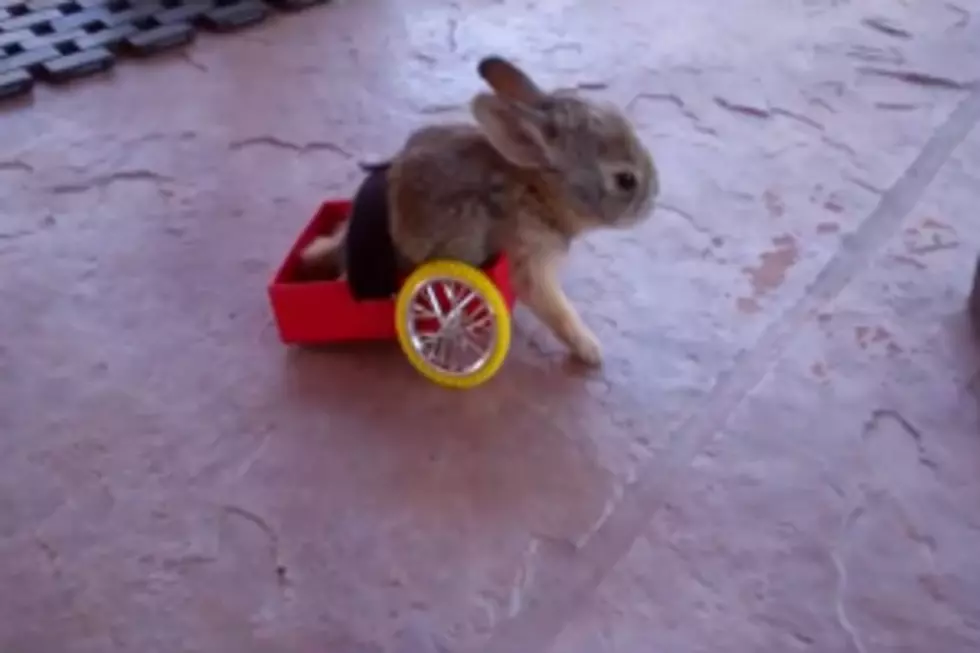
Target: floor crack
{"type": "Point", "coordinates": [643, 498]}
{"type": "Point", "coordinates": [840, 597]}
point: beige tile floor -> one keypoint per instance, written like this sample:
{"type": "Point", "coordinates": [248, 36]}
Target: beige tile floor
{"type": "Point", "coordinates": [781, 452]}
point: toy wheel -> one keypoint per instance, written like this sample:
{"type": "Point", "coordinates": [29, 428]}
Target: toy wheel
{"type": "Point", "coordinates": [453, 324]}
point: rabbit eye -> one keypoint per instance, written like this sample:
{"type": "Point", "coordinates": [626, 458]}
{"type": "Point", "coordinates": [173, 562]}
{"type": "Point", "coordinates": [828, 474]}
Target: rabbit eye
{"type": "Point", "coordinates": [625, 181]}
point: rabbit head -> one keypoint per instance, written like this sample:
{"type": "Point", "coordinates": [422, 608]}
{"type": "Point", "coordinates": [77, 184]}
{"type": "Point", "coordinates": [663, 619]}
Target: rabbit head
{"type": "Point", "coordinates": [588, 152]}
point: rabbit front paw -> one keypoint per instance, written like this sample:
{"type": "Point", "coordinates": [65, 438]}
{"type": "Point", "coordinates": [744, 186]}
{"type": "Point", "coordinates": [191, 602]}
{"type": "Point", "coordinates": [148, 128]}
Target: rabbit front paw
{"type": "Point", "coordinates": [586, 348]}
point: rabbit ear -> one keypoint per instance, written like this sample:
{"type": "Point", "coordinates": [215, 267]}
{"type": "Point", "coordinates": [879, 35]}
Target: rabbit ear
{"type": "Point", "coordinates": [510, 118]}
{"type": "Point", "coordinates": [508, 81]}
{"type": "Point", "coordinates": [512, 130]}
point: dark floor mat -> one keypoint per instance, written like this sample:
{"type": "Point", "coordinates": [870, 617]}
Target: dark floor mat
{"type": "Point", "coordinates": [58, 40]}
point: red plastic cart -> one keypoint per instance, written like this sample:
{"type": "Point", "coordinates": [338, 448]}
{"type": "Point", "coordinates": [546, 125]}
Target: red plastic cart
{"type": "Point", "coordinates": [452, 320]}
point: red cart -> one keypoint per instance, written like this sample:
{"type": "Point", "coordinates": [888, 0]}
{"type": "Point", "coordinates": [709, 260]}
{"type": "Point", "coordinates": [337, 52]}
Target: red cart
{"type": "Point", "coordinates": [452, 320]}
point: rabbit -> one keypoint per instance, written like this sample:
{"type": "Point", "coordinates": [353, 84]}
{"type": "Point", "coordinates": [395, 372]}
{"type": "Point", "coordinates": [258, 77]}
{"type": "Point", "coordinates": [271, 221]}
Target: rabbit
{"type": "Point", "coordinates": [538, 170]}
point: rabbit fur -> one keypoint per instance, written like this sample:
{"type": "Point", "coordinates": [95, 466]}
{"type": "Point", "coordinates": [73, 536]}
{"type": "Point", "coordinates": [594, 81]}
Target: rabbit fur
{"type": "Point", "coordinates": [537, 170]}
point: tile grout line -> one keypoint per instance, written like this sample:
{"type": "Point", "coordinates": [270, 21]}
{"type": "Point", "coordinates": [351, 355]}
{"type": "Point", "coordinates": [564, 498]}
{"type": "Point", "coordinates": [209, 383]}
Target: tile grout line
{"type": "Point", "coordinates": [535, 629]}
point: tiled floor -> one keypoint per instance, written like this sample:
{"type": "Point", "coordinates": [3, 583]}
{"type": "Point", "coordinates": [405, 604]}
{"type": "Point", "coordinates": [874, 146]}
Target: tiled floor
{"type": "Point", "coordinates": [781, 452]}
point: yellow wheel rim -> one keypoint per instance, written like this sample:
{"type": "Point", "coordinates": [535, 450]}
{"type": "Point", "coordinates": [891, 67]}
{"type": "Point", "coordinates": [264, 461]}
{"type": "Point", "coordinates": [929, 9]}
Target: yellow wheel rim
{"type": "Point", "coordinates": [453, 324]}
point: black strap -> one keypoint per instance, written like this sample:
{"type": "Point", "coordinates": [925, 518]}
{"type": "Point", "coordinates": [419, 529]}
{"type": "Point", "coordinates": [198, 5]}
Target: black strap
{"type": "Point", "coordinates": [372, 269]}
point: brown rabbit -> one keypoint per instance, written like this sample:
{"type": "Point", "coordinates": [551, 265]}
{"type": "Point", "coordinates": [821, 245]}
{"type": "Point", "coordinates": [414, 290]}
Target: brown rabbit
{"type": "Point", "coordinates": [537, 170]}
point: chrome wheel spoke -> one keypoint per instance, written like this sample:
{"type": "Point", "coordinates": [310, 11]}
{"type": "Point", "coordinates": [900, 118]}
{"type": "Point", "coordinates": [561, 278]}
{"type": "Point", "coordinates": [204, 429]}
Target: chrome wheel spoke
{"type": "Point", "coordinates": [434, 302]}
{"type": "Point", "coordinates": [470, 343]}
{"type": "Point", "coordinates": [453, 363]}
{"type": "Point", "coordinates": [420, 311]}
{"type": "Point", "coordinates": [428, 344]}
{"type": "Point", "coordinates": [450, 294]}
{"type": "Point", "coordinates": [452, 325]}
{"type": "Point", "coordinates": [479, 321]}
{"type": "Point", "coordinates": [460, 308]}
{"type": "Point", "coordinates": [440, 352]}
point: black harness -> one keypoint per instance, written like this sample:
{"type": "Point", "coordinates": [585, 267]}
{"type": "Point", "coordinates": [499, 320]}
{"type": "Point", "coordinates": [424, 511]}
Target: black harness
{"type": "Point", "coordinates": [372, 263]}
